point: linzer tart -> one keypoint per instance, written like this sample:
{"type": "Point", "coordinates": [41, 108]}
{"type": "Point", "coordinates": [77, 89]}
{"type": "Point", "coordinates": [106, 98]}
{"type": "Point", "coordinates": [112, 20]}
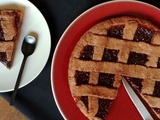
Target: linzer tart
{"type": "Point", "coordinates": [118, 47]}
{"type": "Point", "coordinates": [10, 22]}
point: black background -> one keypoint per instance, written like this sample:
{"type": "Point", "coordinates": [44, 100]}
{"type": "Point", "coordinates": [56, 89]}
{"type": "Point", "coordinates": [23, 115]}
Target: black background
{"type": "Point", "coordinates": [36, 100]}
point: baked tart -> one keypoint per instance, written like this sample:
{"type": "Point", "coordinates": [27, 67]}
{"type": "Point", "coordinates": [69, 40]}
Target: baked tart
{"type": "Point", "coordinates": [117, 47]}
{"type": "Point", "coordinates": [10, 22]}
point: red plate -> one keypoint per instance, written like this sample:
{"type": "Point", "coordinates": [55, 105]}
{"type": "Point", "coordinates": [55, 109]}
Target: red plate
{"type": "Point", "coordinates": [123, 108]}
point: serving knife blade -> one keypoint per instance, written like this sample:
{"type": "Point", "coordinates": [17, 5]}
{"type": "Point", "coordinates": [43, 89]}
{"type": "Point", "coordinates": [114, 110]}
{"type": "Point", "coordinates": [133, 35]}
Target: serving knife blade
{"type": "Point", "coordinates": [137, 102]}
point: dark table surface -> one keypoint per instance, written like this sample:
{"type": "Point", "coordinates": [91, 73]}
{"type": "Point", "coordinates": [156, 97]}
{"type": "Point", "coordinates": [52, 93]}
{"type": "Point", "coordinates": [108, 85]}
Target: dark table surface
{"type": "Point", "coordinates": [36, 99]}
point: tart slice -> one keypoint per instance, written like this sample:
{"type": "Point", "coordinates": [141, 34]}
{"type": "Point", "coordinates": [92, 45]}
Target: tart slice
{"type": "Point", "coordinates": [10, 22]}
{"type": "Point", "coordinates": [122, 46]}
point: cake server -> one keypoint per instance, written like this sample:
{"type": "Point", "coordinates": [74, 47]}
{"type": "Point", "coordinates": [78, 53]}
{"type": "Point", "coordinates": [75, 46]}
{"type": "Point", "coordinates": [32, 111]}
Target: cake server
{"type": "Point", "coordinates": [137, 102]}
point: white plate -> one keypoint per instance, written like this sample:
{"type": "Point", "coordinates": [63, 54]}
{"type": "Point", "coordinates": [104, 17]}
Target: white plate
{"type": "Point", "coordinates": [33, 23]}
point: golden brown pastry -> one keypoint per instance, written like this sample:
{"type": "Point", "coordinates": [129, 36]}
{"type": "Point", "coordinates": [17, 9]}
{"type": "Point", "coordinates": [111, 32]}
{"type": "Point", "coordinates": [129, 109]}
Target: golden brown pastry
{"type": "Point", "coordinates": [118, 47]}
{"type": "Point", "coordinates": [10, 22]}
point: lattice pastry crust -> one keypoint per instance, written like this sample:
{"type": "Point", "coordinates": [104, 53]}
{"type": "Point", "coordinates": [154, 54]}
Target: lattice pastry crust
{"type": "Point", "coordinates": [10, 22]}
{"type": "Point", "coordinates": [123, 46]}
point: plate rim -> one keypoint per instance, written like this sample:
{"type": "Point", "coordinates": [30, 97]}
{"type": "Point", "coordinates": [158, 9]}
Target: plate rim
{"type": "Point", "coordinates": [21, 3]}
{"type": "Point", "coordinates": [69, 27]}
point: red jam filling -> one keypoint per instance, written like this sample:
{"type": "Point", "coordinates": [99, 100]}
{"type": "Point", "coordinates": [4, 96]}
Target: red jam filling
{"type": "Point", "coordinates": [82, 77]}
{"type": "Point", "coordinates": [106, 80]}
{"type": "Point", "coordinates": [156, 91]}
{"type": "Point", "coordinates": [104, 106]}
{"type": "Point", "coordinates": [136, 83]}
{"type": "Point", "coordinates": [87, 53]}
{"type": "Point", "coordinates": [3, 59]}
{"type": "Point", "coordinates": [1, 34]}
{"type": "Point", "coordinates": [137, 58]}
{"type": "Point", "coordinates": [158, 63]}
{"type": "Point", "coordinates": [110, 55]}
{"type": "Point", "coordinates": [84, 99]}
{"type": "Point", "coordinates": [116, 31]}
{"type": "Point", "coordinates": [157, 110]}
{"type": "Point", "coordinates": [143, 34]}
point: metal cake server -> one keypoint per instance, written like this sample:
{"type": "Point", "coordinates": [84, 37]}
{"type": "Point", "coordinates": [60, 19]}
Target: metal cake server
{"type": "Point", "coordinates": [137, 102]}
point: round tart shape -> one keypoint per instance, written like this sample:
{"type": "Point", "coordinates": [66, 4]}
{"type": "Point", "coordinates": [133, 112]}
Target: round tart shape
{"type": "Point", "coordinates": [118, 47]}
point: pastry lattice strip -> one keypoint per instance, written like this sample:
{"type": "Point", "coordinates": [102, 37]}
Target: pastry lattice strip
{"type": "Point", "coordinates": [130, 25]}
{"type": "Point", "coordinates": [92, 107]}
{"type": "Point", "coordinates": [7, 47]}
{"type": "Point", "coordinates": [10, 21]}
{"type": "Point", "coordinates": [99, 40]}
{"type": "Point", "coordinates": [102, 42]}
{"type": "Point", "coordinates": [89, 89]}
{"type": "Point", "coordinates": [88, 96]}
{"type": "Point", "coordinates": [116, 68]}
